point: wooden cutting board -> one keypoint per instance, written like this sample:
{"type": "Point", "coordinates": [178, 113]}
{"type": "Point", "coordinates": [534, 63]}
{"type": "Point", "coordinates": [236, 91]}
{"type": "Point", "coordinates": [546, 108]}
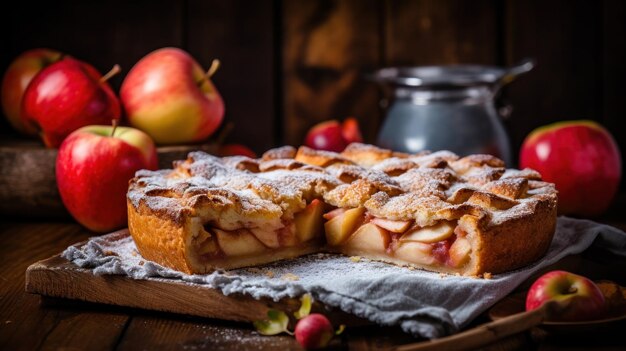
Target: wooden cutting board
{"type": "Point", "coordinates": [57, 277]}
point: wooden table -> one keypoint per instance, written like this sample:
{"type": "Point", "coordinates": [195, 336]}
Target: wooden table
{"type": "Point", "coordinates": [29, 322]}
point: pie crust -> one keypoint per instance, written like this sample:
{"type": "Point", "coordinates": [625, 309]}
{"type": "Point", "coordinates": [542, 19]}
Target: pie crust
{"type": "Point", "coordinates": [434, 211]}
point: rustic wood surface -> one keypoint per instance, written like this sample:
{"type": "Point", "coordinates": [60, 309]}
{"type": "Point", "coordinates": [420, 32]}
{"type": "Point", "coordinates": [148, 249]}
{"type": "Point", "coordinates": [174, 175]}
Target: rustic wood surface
{"type": "Point", "coordinates": [102, 33]}
{"type": "Point", "coordinates": [240, 34]}
{"type": "Point", "coordinates": [28, 183]}
{"type": "Point", "coordinates": [613, 74]}
{"type": "Point", "coordinates": [435, 32]}
{"type": "Point", "coordinates": [28, 322]}
{"type": "Point", "coordinates": [566, 84]}
{"type": "Point", "coordinates": [328, 48]}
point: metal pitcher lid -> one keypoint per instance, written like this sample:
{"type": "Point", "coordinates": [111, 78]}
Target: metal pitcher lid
{"type": "Point", "coordinates": [450, 75]}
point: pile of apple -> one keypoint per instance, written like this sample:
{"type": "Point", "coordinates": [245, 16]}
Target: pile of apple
{"type": "Point", "coordinates": [166, 98]}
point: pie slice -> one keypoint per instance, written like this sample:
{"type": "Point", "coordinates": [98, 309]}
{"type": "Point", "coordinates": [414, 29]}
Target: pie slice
{"type": "Point", "coordinates": [434, 211]}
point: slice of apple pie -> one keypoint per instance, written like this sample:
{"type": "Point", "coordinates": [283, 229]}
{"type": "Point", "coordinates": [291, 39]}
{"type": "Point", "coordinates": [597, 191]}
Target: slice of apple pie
{"type": "Point", "coordinates": [434, 211]}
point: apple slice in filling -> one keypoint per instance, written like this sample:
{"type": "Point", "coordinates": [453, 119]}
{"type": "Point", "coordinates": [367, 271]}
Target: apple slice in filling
{"type": "Point", "coordinates": [334, 213]}
{"type": "Point", "coordinates": [341, 226]}
{"type": "Point", "coordinates": [268, 236]}
{"type": "Point", "coordinates": [459, 252]}
{"type": "Point", "coordinates": [438, 242]}
{"type": "Point", "coordinates": [438, 232]}
{"type": "Point", "coordinates": [415, 252]}
{"type": "Point", "coordinates": [369, 238]}
{"type": "Point", "coordinates": [309, 221]}
{"type": "Point", "coordinates": [239, 242]}
{"type": "Point", "coordinates": [205, 243]}
{"type": "Point", "coordinates": [394, 226]}
{"type": "Point", "coordinates": [287, 234]}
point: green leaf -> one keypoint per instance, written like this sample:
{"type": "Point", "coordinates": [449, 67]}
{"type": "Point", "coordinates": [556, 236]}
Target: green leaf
{"type": "Point", "coordinates": [305, 307]}
{"type": "Point", "coordinates": [275, 324]}
{"type": "Point", "coordinates": [340, 329]}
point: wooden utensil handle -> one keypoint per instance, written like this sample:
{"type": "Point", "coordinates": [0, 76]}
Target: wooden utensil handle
{"type": "Point", "coordinates": [486, 333]}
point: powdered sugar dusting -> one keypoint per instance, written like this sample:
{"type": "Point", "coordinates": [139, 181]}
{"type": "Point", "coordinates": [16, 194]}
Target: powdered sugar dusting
{"type": "Point", "coordinates": [398, 187]}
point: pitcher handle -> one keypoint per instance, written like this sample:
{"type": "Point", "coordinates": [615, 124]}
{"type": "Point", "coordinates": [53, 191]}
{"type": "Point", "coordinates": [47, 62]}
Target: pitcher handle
{"type": "Point", "coordinates": [526, 65]}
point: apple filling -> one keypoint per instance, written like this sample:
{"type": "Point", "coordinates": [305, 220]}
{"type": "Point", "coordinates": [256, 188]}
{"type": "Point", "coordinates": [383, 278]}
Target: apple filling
{"type": "Point", "coordinates": [354, 231]}
{"type": "Point", "coordinates": [215, 243]}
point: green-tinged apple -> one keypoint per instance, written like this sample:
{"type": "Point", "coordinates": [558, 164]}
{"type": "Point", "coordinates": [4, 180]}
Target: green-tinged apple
{"type": "Point", "coordinates": [314, 331]}
{"type": "Point", "coordinates": [333, 136]}
{"type": "Point", "coordinates": [93, 168]}
{"type": "Point", "coordinates": [16, 79]}
{"type": "Point", "coordinates": [581, 158]}
{"type": "Point", "coordinates": [168, 95]}
{"type": "Point", "coordinates": [67, 95]}
{"type": "Point", "coordinates": [579, 298]}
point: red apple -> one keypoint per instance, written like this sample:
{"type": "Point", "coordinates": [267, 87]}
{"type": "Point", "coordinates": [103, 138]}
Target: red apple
{"type": "Point", "coordinates": [314, 331]}
{"type": "Point", "coordinates": [168, 95]}
{"type": "Point", "coordinates": [581, 158]}
{"type": "Point", "coordinates": [326, 136]}
{"type": "Point", "coordinates": [67, 95]}
{"type": "Point", "coordinates": [350, 131]}
{"type": "Point", "coordinates": [333, 136]}
{"type": "Point", "coordinates": [236, 150]}
{"type": "Point", "coordinates": [16, 79]}
{"type": "Point", "coordinates": [580, 297]}
{"type": "Point", "coordinates": [93, 168]}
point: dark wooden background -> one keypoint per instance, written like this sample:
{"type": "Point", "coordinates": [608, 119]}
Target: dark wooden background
{"type": "Point", "coordinates": [289, 64]}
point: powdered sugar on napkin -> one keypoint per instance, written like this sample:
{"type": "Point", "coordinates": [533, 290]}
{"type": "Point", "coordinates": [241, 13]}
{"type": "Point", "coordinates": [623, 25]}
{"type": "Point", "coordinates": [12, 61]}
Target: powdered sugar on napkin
{"type": "Point", "coordinates": [422, 303]}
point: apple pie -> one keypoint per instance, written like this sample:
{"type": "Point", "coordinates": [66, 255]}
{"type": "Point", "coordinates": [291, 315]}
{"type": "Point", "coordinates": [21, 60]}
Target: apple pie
{"type": "Point", "coordinates": [434, 211]}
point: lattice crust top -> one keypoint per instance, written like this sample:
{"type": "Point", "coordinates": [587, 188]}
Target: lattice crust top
{"type": "Point", "coordinates": [427, 187]}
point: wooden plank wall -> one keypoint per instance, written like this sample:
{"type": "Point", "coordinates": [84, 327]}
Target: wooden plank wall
{"type": "Point", "coordinates": [327, 47]}
{"type": "Point", "coordinates": [290, 64]}
{"type": "Point", "coordinates": [566, 83]}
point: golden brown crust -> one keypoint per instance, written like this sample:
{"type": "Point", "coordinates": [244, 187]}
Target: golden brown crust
{"type": "Point", "coordinates": [509, 216]}
{"type": "Point", "coordinates": [516, 242]}
{"type": "Point", "coordinates": [159, 239]}
{"type": "Point", "coordinates": [169, 244]}
{"type": "Point", "coordinates": [365, 154]}
{"type": "Point", "coordinates": [319, 158]}
{"type": "Point", "coordinates": [283, 152]}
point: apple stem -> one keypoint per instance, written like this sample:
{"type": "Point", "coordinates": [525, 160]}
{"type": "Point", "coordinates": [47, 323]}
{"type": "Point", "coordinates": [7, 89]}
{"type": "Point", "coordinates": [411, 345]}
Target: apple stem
{"type": "Point", "coordinates": [115, 70]}
{"type": "Point", "coordinates": [572, 290]}
{"type": "Point", "coordinates": [115, 123]}
{"type": "Point", "coordinates": [215, 65]}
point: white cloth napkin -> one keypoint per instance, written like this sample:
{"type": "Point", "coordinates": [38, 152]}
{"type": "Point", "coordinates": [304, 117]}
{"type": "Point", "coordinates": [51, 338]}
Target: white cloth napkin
{"type": "Point", "coordinates": [423, 304]}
